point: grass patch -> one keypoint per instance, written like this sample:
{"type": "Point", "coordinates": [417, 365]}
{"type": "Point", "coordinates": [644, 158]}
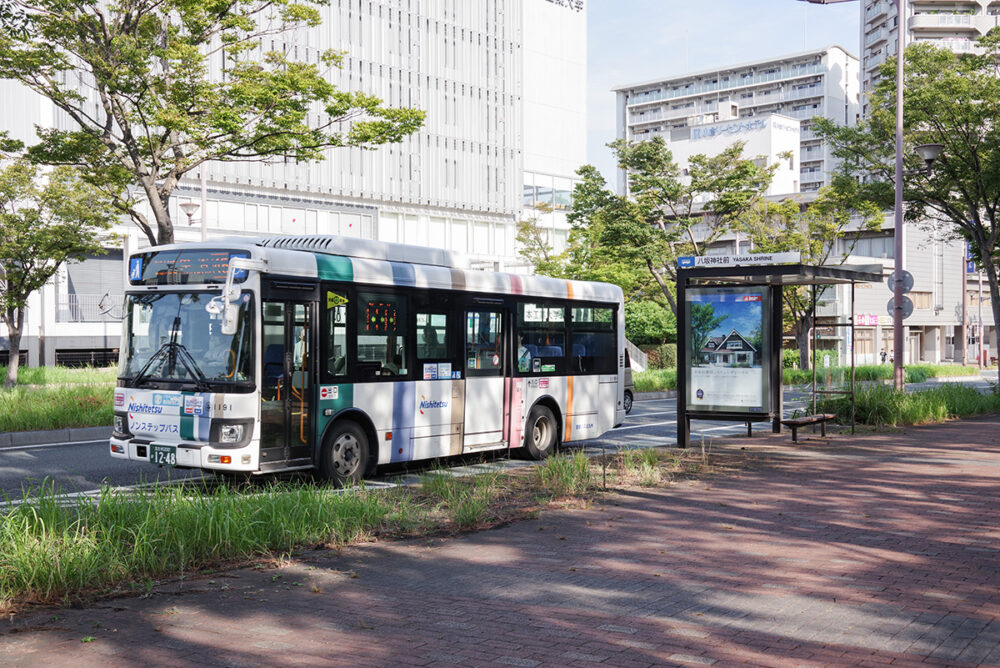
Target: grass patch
{"type": "Point", "coordinates": [660, 380]}
{"type": "Point", "coordinates": [59, 375]}
{"type": "Point", "coordinates": [56, 407]}
{"type": "Point", "coordinates": [655, 380]}
{"type": "Point", "coordinates": [885, 406]}
{"type": "Point", "coordinates": [125, 541]}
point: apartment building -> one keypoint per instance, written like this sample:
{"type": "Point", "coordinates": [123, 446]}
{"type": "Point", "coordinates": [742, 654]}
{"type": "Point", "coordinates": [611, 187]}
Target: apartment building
{"type": "Point", "coordinates": [951, 24]}
{"type": "Point", "coordinates": [935, 329]}
{"type": "Point", "coordinates": [801, 85]}
{"type": "Point", "coordinates": [503, 85]}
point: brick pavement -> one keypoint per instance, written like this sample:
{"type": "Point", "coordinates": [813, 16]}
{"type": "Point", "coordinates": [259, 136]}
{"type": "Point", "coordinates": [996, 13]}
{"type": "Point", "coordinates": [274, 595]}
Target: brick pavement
{"type": "Point", "coordinates": [874, 550]}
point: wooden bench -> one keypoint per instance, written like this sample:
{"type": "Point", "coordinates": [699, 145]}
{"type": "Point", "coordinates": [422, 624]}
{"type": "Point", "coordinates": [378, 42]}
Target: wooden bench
{"type": "Point", "coordinates": [820, 419]}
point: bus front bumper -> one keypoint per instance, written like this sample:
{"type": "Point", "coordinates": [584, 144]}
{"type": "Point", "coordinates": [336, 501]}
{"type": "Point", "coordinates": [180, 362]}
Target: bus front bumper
{"type": "Point", "coordinates": [187, 455]}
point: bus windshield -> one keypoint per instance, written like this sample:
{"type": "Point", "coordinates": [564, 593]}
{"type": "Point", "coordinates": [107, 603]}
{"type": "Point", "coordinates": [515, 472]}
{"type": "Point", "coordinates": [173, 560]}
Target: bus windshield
{"type": "Point", "coordinates": [169, 337]}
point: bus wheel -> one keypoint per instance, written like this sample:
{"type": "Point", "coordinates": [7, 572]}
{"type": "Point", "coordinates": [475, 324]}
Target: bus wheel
{"type": "Point", "coordinates": [541, 433]}
{"type": "Point", "coordinates": [627, 404]}
{"type": "Point", "coordinates": [345, 454]}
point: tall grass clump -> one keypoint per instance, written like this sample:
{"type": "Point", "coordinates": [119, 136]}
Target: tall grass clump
{"type": "Point", "coordinates": [643, 463]}
{"type": "Point", "coordinates": [885, 406]}
{"type": "Point", "coordinates": [563, 475]}
{"type": "Point", "coordinates": [56, 407]}
{"type": "Point", "coordinates": [49, 551]}
{"type": "Point", "coordinates": [466, 500]}
{"type": "Point", "coordinates": [655, 380]}
{"type": "Point", "coordinates": [60, 375]}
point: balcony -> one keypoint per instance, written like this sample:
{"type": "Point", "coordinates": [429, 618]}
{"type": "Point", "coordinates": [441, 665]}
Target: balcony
{"type": "Point", "coordinates": [877, 11]}
{"type": "Point", "coordinates": [938, 22]}
{"type": "Point", "coordinates": [699, 88]}
{"type": "Point", "coordinates": [879, 35]}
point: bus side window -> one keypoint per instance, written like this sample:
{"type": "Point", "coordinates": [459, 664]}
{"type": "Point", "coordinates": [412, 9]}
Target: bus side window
{"type": "Point", "coordinates": [593, 340]}
{"type": "Point", "coordinates": [336, 332]}
{"type": "Point", "coordinates": [382, 335]}
{"type": "Point", "coordinates": [541, 332]}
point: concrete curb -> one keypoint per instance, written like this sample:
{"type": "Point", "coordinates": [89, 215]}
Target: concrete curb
{"type": "Point", "coordinates": [72, 435]}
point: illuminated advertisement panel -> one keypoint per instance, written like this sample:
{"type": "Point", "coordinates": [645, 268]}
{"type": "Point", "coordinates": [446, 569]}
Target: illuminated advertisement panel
{"type": "Point", "coordinates": [728, 349]}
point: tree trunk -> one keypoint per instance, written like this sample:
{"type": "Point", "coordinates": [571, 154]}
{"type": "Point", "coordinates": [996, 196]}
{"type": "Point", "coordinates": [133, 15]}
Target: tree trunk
{"type": "Point", "coordinates": [161, 211]}
{"type": "Point", "coordinates": [802, 339]}
{"type": "Point", "coordinates": [14, 319]}
{"type": "Point", "coordinates": [671, 302]}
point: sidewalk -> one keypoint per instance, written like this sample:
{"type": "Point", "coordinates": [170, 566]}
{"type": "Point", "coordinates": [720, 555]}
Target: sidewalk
{"type": "Point", "coordinates": [869, 550]}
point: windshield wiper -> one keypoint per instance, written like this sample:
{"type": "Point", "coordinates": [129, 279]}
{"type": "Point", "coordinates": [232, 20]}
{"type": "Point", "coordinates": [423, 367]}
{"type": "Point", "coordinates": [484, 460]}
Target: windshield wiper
{"type": "Point", "coordinates": [180, 352]}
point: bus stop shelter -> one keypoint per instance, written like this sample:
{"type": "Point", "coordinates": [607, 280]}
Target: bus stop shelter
{"type": "Point", "coordinates": [732, 313]}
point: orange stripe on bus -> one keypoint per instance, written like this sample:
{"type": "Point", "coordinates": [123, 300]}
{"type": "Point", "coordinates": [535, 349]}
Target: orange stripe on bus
{"type": "Point", "coordinates": [569, 409]}
{"type": "Point", "coordinates": [569, 290]}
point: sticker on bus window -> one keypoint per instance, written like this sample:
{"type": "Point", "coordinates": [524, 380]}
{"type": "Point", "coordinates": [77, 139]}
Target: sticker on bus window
{"type": "Point", "coordinates": [430, 372]}
{"type": "Point", "coordinates": [472, 362]}
{"type": "Point", "coordinates": [546, 368]}
{"type": "Point", "coordinates": [333, 299]}
{"type": "Point", "coordinates": [456, 375]}
{"type": "Point", "coordinates": [495, 359]}
{"type": "Point", "coordinates": [328, 391]}
{"type": "Point", "coordinates": [536, 365]}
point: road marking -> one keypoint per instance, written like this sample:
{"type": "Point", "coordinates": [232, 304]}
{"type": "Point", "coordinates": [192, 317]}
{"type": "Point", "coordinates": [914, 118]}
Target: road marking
{"type": "Point", "coordinates": [39, 446]}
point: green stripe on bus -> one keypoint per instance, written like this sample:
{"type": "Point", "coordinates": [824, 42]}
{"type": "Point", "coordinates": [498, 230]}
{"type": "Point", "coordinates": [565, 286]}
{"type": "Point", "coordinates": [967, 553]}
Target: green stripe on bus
{"type": "Point", "coordinates": [345, 399]}
{"type": "Point", "coordinates": [187, 427]}
{"type": "Point", "coordinates": [334, 267]}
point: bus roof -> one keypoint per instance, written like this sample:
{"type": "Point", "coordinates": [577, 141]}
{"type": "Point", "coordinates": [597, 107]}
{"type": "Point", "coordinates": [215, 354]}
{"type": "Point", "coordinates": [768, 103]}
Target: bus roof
{"type": "Point", "coordinates": [368, 249]}
{"type": "Point", "coordinates": [371, 262]}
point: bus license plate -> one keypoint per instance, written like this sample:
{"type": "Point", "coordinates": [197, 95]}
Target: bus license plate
{"type": "Point", "coordinates": [163, 454]}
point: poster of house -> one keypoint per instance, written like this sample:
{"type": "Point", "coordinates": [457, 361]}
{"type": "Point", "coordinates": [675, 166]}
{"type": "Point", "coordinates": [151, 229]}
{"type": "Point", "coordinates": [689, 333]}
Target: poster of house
{"type": "Point", "coordinates": [726, 349]}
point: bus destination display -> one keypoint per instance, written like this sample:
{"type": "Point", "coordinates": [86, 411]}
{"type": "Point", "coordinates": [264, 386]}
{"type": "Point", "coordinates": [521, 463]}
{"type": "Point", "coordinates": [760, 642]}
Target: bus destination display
{"type": "Point", "coordinates": [184, 267]}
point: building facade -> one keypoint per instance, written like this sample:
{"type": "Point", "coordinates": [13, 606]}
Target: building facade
{"type": "Point", "coordinates": [950, 24]}
{"type": "Point", "coordinates": [800, 86]}
{"type": "Point", "coordinates": [934, 332]}
{"type": "Point", "coordinates": [502, 83]}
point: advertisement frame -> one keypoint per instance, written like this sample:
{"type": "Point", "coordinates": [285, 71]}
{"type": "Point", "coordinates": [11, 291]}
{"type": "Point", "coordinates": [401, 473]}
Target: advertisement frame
{"type": "Point", "coordinates": [694, 403]}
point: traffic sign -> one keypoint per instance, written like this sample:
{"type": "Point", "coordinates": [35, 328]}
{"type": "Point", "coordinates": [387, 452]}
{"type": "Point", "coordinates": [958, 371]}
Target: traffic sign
{"type": "Point", "coordinates": [907, 305]}
{"type": "Point", "coordinates": [907, 282]}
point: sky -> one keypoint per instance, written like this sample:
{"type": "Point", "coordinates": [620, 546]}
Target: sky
{"type": "Point", "coordinates": [630, 41]}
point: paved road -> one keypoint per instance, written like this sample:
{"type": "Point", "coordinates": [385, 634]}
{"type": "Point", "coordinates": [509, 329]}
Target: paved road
{"type": "Point", "coordinates": [81, 467]}
{"type": "Point", "coordinates": [869, 551]}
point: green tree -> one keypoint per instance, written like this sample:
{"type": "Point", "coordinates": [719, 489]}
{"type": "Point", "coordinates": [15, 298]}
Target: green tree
{"type": "Point", "coordinates": [534, 247]}
{"type": "Point", "coordinates": [701, 322]}
{"type": "Point", "coordinates": [44, 222]}
{"type": "Point", "coordinates": [656, 223]}
{"type": "Point", "coordinates": [823, 232]}
{"type": "Point", "coordinates": [647, 322]}
{"type": "Point", "coordinates": [949, 99]}
{"type": "Point", "coordinates": [169, 85]}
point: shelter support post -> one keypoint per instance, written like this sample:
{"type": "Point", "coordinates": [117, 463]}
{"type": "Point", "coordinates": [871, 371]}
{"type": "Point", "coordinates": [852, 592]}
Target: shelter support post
{"type": "Point", "coordinates": [683, 425]}
{"type": "Point", "coordinates": [777, 361]}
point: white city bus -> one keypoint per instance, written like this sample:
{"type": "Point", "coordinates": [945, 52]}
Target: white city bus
{"type": "Point", "coordinates": [285, 353]}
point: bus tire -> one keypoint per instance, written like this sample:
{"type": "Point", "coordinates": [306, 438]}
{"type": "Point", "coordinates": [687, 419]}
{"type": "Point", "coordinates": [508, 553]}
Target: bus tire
{"type": "Point", "coordinates": [345, 454]}
{"type": "Point", "coordinates": [627, 404]}
{"type": "Point", "coordinates": [541, 433]}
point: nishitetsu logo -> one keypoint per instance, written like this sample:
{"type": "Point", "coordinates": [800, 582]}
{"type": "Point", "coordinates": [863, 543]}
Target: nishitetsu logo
{"type": "Point", "coordinates": [137, 407]}
{"type": "Point", "coordinates": [433, 403]}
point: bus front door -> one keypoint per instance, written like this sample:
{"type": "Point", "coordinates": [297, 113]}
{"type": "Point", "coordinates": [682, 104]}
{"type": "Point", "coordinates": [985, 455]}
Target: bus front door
{"type": "Point", "coordinates": [286, 385]}
{"type": "Point", "coordinates": [484, 361]}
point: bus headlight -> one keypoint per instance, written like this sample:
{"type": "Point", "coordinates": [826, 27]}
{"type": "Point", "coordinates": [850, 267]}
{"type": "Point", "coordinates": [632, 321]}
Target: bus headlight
{"type": "Point", "coordinates": [231, 433]}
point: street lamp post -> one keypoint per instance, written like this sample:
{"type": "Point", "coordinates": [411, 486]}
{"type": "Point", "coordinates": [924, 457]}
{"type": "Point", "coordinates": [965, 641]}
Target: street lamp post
{"type": "Point", "coordinates": [899, 373]}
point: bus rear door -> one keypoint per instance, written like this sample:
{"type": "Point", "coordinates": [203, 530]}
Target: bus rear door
{"type": "Point", "coordinates": [484, 362]}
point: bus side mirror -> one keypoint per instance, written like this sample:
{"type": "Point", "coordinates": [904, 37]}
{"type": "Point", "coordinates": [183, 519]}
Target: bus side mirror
{"type": "Point", "coordinates": [229, 314]}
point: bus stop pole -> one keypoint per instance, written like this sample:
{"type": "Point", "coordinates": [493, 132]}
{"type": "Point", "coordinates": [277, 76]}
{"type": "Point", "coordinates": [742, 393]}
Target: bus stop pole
{"type": "Point", "coordinates": [683, 359]}
{"type": "Point", "coordinates": [777, 359]}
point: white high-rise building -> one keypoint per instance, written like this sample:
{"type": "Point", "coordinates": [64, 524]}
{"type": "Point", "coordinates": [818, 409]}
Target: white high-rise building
{"type": "Point", "coordinates": [800, 86]}
{"type": "Point", "coordinates": [952, 24]}
{"type": "Point", "coordinates": [503, 85]}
